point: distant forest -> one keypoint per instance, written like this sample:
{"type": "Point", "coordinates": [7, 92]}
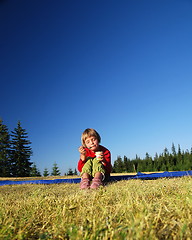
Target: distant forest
{"type": "Point", "coordinates": [175, 161]}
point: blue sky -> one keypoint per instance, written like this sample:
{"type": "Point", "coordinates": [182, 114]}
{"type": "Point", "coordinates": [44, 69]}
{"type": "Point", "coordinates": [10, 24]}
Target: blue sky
{"type": "Point", "coordinates": [121, 67]}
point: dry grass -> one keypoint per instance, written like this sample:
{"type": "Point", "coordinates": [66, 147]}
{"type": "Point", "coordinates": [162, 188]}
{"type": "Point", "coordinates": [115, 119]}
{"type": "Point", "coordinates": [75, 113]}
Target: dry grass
{"type": "Point", "coordinates": [134, 209]}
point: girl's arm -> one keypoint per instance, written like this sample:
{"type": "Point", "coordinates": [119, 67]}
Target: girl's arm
{"type": "Point", "coordinates": [107, 161]}
{"type": "Point", "coordinates": [82, 159]}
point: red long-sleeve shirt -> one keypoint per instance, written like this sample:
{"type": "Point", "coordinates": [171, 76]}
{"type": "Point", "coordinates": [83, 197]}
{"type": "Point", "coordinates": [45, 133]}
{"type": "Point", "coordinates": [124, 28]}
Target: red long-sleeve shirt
{"type": "Point", "coordinates": [106, 161]}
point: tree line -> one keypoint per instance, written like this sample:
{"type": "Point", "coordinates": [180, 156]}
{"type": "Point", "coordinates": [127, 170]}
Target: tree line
{"type": "Point", "coordinates": [166, 161]}
{"type": "Point", "coordinates": [15, 154]}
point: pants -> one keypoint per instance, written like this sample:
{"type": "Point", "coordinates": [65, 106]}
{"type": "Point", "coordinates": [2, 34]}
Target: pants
{"type": "Point", "coordinates": [92, 166]}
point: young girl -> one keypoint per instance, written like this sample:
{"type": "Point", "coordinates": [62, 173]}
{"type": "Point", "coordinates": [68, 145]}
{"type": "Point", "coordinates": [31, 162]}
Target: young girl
{"type": "Point", "coordinates": [90, 166]}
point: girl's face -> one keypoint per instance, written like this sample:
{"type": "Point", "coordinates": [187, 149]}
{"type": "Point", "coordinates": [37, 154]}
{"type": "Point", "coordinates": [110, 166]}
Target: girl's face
{"type": "Point", "coordinates": [92, 143]}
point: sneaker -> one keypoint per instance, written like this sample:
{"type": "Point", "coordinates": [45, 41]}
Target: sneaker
{"type": "Point", "coordinates": [96, 183]}
{"type": "Point", "coordinates": [85, 183]}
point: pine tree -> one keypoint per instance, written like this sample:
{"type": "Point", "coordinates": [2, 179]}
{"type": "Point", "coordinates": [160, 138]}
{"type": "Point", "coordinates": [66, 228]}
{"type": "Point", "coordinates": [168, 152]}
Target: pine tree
{"type": "Point", "coordinates": [45, 172]}
{"type": "Point", "coordinates": [35, 171]}
{"type": "Point", "coordinates": [128, 164]}
{"type": "Point", "coordinates": [187, 160]}
{"type": "Point", "coordinates": [136, 162]}
{"type": "Point", "coordinates": [118, 165]}
{"type": "Point", "coordinates": [70, 172]}
{"type": "Point", "coordinates": [4, 150]}
{"type": "Point", "coordinates": [156, 162]}
{"type": "Point", "coordinates": [148, 163]}
{"type": "Point", "coordinates": [173, 150]}
{"type": "Point", "coordinates": [55, 170]}
{"type": "Point", "coordinates": [75, 172]}
{"type": "Point", "coordinates": [179, 159]}
{"type": "Point", "coordinates": [20, 153]}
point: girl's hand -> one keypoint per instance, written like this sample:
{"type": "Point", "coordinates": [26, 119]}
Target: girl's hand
{"type": "Point", "coordinates": [82, 150]}
{"type": "Point", "coordinates": [82, 153]}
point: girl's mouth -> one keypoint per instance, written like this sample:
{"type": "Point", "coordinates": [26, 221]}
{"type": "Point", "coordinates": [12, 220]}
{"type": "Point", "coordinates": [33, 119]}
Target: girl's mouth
{"type": "Point", "coordinates": [91, 147]}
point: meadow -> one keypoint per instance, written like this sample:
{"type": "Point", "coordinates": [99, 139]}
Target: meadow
{"type": "Point", "coordinates": [133, 209]}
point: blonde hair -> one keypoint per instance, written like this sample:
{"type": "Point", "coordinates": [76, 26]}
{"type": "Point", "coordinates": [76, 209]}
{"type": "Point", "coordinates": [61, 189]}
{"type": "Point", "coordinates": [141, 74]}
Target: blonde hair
{"type": "Point", "coordinates": [89, 132]}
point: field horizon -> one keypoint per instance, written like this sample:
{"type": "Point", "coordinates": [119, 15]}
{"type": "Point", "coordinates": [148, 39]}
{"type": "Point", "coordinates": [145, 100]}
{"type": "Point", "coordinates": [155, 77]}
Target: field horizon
{"type": "Point", "coordinates": [63, 176]}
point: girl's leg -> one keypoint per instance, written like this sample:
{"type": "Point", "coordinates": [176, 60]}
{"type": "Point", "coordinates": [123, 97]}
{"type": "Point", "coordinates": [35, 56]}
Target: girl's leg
{"type": "Point", "coordinates": [98, 173]}
{"type": "Point", "coordinates": [87, 168]}
{"type": "Point", "coordinates": [85, 181]}
{"type": "Point", "coordinates": [86, 175]}
{"type": "Point", "coordinates": [97, 181]}
{"type": "Point", "coordinates": [98, 169]}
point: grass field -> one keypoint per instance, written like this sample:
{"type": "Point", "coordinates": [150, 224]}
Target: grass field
{"type": "Point", "coordinates": [134, 209]}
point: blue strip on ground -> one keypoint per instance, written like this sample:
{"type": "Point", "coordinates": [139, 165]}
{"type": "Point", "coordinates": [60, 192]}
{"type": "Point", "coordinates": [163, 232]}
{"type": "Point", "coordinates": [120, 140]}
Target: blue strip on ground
{"type": "Point", "coordinates": [139, 175]}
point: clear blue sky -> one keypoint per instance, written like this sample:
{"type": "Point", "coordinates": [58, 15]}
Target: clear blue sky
{"type": "Point", "coordinates": [121, 67]}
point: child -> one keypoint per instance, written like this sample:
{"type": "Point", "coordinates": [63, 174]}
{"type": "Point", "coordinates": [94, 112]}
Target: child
{"type": "Point", "coordinates": [90, 166]}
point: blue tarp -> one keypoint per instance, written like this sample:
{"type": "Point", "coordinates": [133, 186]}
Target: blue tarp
{"type": "Point", "coordinates": [139, 175]}
{"type": "Point", "coordinates": [152, 176]}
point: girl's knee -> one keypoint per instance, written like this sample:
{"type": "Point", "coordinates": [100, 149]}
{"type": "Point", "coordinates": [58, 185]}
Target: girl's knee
{"type": "Point", "coordinates": [100, 175]}
{"type": "Point", "coordinates": [85, 175]}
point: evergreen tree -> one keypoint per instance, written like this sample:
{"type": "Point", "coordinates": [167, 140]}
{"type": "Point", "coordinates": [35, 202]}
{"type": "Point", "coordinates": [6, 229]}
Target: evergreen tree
{"type": "Point", "coordinates": [187, 161]}
{"type": "Point", "coordinates": [156, 163]}
{"type": "Point", "coordinates": [173, 150]}
{"type": "Point", "coordinates": [173, 159]}
{"type": "Point", "coordinates": [35, 171]}
{"type": "Point", "coordinates": [70, 172]}
{"type": "Point", "coordinates": [136, 162]}
{"type": "Point", "coordinates": [148, 163]}
{"type": "Point", "coordinates": [179, 149]}
{"type": "Point", "coordinates": [118, 165]}
{"type": "Point", "coordinates": [75, 172]}
{"type": "Point", "coordinates": [140, 165]}
{"type": "Point", "coordinates": [128, 165]}
{"type": "Point", "coordinates": [179, 159]}
{"type": "Point", "coordinates": [45, 172]}
{"type": "Point", "coordinates": [166, 153]}
{"type": "Point", "coordinates": [4, 150]}
{"type": "Point", "coordinates": [20, 153]}
{"type": "Point", "coordinates": [55, 170]}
